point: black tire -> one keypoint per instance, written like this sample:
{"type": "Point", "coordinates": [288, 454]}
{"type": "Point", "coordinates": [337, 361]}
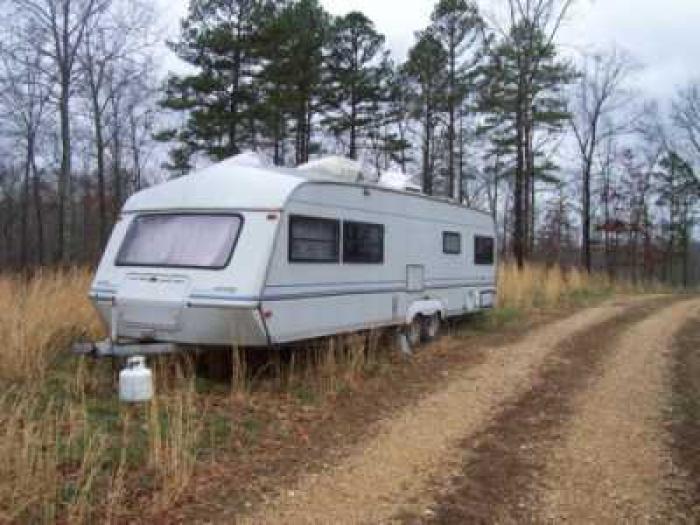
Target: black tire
{"type": "Point", "coordinates": [430, 329]}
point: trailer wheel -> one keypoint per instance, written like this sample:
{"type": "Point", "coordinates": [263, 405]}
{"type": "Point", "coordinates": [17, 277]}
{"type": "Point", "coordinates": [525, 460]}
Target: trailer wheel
{"type": "Point", "coordinates": [414, 331]}
{"type": "Point", "coordinates": [431, 327]}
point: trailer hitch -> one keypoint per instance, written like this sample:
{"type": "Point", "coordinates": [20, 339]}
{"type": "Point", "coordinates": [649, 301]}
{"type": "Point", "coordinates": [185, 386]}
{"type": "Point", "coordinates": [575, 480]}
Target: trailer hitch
{"type": "Point", "coordinates": [108, 348]}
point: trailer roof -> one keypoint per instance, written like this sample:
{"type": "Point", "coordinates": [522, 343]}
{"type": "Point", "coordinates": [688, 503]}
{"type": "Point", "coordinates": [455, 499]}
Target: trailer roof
{"type": "Point", "coordinates": [225, 185]}
{"type": "Point", "coordinates": [232, 185]}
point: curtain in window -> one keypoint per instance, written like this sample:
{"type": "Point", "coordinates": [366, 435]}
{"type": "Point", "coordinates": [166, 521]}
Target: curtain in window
{"type": "Point", "coordinates": [201, 241]}
{"type": "Point", "coordinates": [313, 239]}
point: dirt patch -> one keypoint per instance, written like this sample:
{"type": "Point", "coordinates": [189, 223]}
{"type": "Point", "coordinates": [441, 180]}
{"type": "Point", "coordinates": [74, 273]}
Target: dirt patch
{"type": "Point", "coordinates": [614, 465]}
{"type": "Point", "coordinates": [685, 420]}
{"type": "Point", "coordinates": [503, 465]}
{"type": "Point", "coordinates": [270, 437]}
{"type": "Point", "coordinates": [391, 471]}
{"type": "Point", "coordinates": [277, 436]}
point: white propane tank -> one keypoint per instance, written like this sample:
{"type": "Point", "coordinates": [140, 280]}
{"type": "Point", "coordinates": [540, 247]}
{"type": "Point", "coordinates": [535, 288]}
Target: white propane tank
{"type": "Point", "coordinates": [135, 381]}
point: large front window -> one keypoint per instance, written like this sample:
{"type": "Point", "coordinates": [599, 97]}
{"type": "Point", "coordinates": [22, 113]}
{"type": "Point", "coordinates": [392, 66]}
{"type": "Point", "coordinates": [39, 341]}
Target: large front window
{"type": "Point", "coordinates": [180, 241]}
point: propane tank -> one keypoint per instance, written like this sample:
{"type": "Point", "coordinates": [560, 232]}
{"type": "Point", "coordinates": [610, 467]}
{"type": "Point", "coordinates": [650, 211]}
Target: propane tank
{"type": "Point", "coordinates": [135, 381]}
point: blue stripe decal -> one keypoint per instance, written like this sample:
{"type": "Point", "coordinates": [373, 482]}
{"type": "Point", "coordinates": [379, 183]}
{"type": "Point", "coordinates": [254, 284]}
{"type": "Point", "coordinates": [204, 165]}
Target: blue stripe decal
{"type": "Point", "coordinates": [347, 283]}
{"type": "Point", "coordinates": [247, 298]}
{"type": "Point", "coordinates": [103, 290]}
{"type": "Point", "coordinates": [311, 294]}
{"type": "Point", "coordinates": [328, 293]}
{"type": "Point", "coordinates": [366, 291]}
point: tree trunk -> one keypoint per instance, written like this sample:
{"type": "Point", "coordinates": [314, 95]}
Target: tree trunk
{"type": "Point", "coordinates": [38, 214]}
{"type": "Point", "coordinates": [586, 234]}
{"type": "Point", "coordinates": [528, 183]}
{"type": "Point", "coordinates": [61, 253]}
{"type": "Point", "coordinates": [518, 226]}
{"type": "Point", "coordinates": [117, 182]}
{"type": "Point", "coordinates": [427, 175]}
{"type": "Point", "coordinates": [460, 172]}
{"type": "Point", "coordinates": [135, 151]}
{"type": "Point", "coordinates": [99, 146]}
{"type": "Point", "coordinates": [24, 225]}
{"type": "Point", "coordinates": [451, 124]}
{"type": "Point", "coordinates": [353, 113]}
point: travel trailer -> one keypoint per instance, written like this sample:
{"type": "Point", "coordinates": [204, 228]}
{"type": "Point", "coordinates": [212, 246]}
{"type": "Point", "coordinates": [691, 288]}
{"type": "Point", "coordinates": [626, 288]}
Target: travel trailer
{"type": "Point", "coordinates": [244, 254]}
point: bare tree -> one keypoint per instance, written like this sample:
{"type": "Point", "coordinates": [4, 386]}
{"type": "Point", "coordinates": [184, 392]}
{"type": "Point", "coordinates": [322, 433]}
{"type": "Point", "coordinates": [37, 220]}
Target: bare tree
{"type": "Point", "coordinates": [686, 115]}
{"type": "Point", "coordinates": [64, 24]}
{"type": "Point", "coordinates": [598, 94]}
{"type": "Point", "coordinates": [24, 94]}
{"type": "Point", "coordinates": [110, 60]}
{"type": "Point", "coordinates": [524, 77]}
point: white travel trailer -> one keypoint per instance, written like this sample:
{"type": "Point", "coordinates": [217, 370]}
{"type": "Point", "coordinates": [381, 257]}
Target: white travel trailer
{"type": "Point", "coordinates": [257, 256]}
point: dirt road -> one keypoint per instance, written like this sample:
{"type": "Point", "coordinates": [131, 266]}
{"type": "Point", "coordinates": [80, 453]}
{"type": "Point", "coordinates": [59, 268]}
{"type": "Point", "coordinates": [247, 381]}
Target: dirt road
{"type": "Point", "coordinates": [568, 424]}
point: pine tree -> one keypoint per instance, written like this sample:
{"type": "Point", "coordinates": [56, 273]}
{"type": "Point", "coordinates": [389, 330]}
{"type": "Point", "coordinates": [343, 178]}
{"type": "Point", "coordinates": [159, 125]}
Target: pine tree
{"type": "Point", "coordinates": [216, 40]}
{"type": "Point", "coordinates": [389, 134]}
{"type": "Point", "coordinates": [458, 25]}
{"type": "Point", "coordinates": [293, 46]}
{"type": "Point", "coordinates": [426, 67]}
{"type": "Point", "coordinates": [521, 94]}
{"type": "Point", "coordinates": [354, 78]}
{"type": "Point", "coordinates": [678, 190]}
{"type": "Point", "coordinates": [272, 110]}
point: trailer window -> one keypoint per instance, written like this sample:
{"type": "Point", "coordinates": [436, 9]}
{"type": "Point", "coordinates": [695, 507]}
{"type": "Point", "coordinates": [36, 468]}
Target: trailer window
{"type": "Point", "coordinates": [483, 250]}
{"type": "Point", "coordinates": [363, 242]}
{"type": "Point", "coordinates": [313, 239]}
{"type": "Point", "coordinates": [180, 241]}
{"type": "Point", "coordinates": [451, 243]}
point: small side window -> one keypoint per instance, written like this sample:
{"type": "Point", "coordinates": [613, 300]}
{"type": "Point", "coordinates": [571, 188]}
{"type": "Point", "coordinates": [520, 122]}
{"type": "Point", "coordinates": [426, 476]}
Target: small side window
{"type": "Point", "coordinates": [314, 240]}
{"type": "Point", "coordinates": [451, 243]}
{"type": "Point", "coordinates": [483, 250]}
{"type": "Point", "coordinates": [363, 242]}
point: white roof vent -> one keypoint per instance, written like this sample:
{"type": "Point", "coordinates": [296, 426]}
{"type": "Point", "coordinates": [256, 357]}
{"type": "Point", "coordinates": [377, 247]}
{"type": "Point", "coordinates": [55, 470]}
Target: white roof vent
{"type": "Point", "coordinates": [332, 168]}
{"type": "Point", "coordinates": [398, 181]}
{"type": "Point", "coordinates": [249, 159]}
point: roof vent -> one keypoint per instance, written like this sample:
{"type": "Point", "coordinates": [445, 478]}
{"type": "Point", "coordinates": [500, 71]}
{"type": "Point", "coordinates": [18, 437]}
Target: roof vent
{"type": "Point", "coordinates": [333, 168]}
{"type": "Point", "coordinates": [249, 159]}
{"type": "Point", "coordinates": [398, 181]}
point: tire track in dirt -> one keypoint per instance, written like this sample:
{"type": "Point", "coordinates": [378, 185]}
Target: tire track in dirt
{"type": "Point", "coordinates": [614, 464]}
{"type": "Point", "coordinates": [503, 465]}
{"type": "Point", "coordinates": [685, 420]}
{"type": "Point", "coordinates": [393, 471]}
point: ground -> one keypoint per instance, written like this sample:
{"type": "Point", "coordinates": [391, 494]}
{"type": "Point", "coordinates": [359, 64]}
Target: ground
{"type": "Point", "coordinates": [591, 418]}
{"type": "Point", "coordinates": [581, 409]}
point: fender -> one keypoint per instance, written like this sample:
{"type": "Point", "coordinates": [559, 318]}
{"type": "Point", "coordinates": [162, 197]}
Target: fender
{"type": "Point", "coordinates": [425, 307]}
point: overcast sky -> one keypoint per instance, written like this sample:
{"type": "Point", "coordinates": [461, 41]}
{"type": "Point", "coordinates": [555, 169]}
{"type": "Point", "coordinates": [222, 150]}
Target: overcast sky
{"type": "Point", "coordinates": [664, 37]}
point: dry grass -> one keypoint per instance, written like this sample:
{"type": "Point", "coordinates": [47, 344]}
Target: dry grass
{"type": "Point", "coordinates": [68, 451]}
{"type": "Point", "coordinates": [538, 286]}
{"type": "Point", "coordinates": [39, 318]}
{"type": "Point", "coordinates": [175, 425]}
{"type": "Point", "coordinates": [331, 364]}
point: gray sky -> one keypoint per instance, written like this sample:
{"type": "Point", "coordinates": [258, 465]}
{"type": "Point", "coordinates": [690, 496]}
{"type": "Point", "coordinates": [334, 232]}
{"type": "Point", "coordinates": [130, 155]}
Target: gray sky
{"type": "Point", "coordinates": [664, 37]}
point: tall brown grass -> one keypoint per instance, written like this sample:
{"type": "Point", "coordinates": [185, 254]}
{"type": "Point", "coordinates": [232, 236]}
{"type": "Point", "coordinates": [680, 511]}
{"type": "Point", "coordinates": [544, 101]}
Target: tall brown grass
{"type": "Point", "coordinates": [39, 318]}
{"type": "Point", "coordinates": [68, 452]}
{"type": "Point", "coordinates": [174, 428]}
{"type": "Point", "coordinates": [539, 286]}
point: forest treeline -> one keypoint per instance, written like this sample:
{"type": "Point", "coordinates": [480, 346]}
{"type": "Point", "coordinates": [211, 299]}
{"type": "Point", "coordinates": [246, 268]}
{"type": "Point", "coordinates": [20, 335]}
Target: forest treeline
{"type": "Point", "coordinates": [487, 108]}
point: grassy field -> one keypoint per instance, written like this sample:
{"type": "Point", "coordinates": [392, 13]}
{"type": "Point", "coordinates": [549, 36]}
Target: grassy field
{"type": "Point", "coordinates": [70, 451]}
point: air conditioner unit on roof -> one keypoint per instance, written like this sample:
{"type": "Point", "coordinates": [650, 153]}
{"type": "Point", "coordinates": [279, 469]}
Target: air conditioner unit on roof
{"type": "Point", "coordinates": [333, 168]}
